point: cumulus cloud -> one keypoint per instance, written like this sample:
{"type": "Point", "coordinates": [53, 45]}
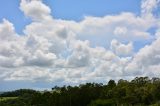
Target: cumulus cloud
{"type": "Point", "coordinates": [121, 49]}
{"type": "Point", "coordinates": [94, 49]}
{"type": "Point", "coordinates": [147, 58]}
{"type": "Point", "coordinates": [81, 55]}
{"type": "Point", "coordinates": [35, 9]}
{"type": "Point", "coordinates": [124, 27]}
{"type": "Point", "coordinates": [149, 55]}
{"type": "Point", "coordinates": [41, 59]}
{"type": "Point", "coordinates": [7, 30]}
{"type": "Point", "coordinates": [148, 6]}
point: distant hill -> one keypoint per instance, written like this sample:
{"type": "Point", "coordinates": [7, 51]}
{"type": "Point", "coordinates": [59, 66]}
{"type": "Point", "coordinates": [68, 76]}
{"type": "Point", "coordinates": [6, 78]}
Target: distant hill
{"type": "Point", "coordinates": [16, 93]}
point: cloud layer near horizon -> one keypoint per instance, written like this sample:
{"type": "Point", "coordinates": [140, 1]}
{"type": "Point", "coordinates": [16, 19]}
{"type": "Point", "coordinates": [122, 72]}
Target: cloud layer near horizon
{"type": "Point", "coordinates": [94, 49]}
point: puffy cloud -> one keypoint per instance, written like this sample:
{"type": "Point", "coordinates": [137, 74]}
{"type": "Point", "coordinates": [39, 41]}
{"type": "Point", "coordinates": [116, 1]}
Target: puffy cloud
{"type": "Point", "coordinates": [35, 9]}
{"type": "Point", "coordinates": [29, 74]}
{"type": "Point", "coordinates": [147, 58]}
{"type": "Point", "coordinates": [41, 59]}
{"type": "Point", "coordinates": [120, 31]}
{"type": "Point", "coordinates": [121, 49]}
{"type": "Point", "coordinates": [124, 27]}
{"type": "Point", "coordinates": [149, 55]}
{"type": "Point", "coordinates": [93, 49]}
{"type": "Point", "coordinates": [7, 30]}
{"type": "Point", "coordinates": [148, 6]}
{"type": "Point", "coordinates": [81, 54]}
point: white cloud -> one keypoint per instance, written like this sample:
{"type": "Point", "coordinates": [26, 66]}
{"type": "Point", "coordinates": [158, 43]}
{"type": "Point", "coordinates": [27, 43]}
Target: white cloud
{"type": "Point", "coordinates": [35, 9]}
{"type": "Point", "coordinates": [124, 27]}
{"type": "Point", "coordinates": [29, 74]}
{"type": "Point", "coordinates": [120, 31]}
{"type": "Point", "coordinates": [41, 59]}
{"type": "Point", "coordinates": [64, 51]}
{"type": "Point", "coordinates": [147, 58]}
{"type": "Point", "coordinates": [121, 49]}
{"type": "Point", "coordinates": [6, 30]}
{"type": "Point", "coordinates": [80, 56]}
{"type": "Point", "coordinates": [148, 6]}
{"type": "Point", "coordinates": [149, 55]}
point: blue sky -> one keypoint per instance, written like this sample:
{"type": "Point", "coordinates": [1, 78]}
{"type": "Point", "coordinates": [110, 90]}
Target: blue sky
{"type": "Point", "coordinates": [68, 9]}
{"type": "Point", "coordinates": [76, 9]}
{"type": "Point", "coordinates": [9, 9]}
{"type": "Point", "coordinates": [69, 42]}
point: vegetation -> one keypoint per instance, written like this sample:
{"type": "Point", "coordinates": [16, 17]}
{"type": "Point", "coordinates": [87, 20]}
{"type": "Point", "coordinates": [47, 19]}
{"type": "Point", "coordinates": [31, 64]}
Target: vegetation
{"type": "Point", "coordinates": [7, 98]}
{"type": "Point", "coordinates": [140, 91]}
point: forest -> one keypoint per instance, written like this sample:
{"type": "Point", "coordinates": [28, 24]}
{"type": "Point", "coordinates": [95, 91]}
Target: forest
{"type": "Point", "coordinates": [141, 91]}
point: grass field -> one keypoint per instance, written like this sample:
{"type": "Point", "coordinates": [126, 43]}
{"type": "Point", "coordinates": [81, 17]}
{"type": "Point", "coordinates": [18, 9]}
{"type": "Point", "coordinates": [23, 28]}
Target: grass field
{"type": "Point", "coordinates": [7, 98]}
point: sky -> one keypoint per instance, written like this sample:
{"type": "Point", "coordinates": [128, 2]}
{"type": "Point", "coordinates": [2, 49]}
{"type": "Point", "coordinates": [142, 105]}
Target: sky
{"type": "Point", "coordinates": [69, 42]}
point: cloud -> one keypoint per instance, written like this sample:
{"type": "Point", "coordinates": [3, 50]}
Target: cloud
{"type": "Point", "coordinates": [149, 55]}
{"type": "Point", "coordinates": [41, 59]}
{"type": "Point", "coordinates": [80, 56]}
{"type": "Point", "coordinates": [121, 49]}
{"type": "Point", "coordinates": [124, 27]}
{"type": "Point", "coordinates": [120, 31]}
{"type": "Point", "coordinates": [29, 74]}
{"type": "Point", "coordinates": [148, 6]}
{"type": "Point", "coordinates": [35, 9]}
{"type": "Point", "coordinates": [94, 49]}
{"type": "Point", "coordinates": [147, 58]}
{"type": "Point", "coordinates": [7, 30]}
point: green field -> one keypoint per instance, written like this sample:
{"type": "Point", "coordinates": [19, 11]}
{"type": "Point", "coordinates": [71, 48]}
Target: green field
{"type": "Point", "coordinates": [7, 98]}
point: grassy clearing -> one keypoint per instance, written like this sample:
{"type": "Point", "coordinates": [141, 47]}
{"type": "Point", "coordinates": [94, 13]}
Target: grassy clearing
{"type": "Point", "coordinates": [7, 98]}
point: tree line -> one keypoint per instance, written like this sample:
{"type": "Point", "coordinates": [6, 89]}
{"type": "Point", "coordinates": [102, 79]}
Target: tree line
{"type": "Point", "coordinates": [141, 91]}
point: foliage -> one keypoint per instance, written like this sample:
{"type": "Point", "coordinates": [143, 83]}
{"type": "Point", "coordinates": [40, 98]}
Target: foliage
{"type": "Point", "coordinates": [7, 98]}
{"type": "Point", "coordinates": [141, 91]}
